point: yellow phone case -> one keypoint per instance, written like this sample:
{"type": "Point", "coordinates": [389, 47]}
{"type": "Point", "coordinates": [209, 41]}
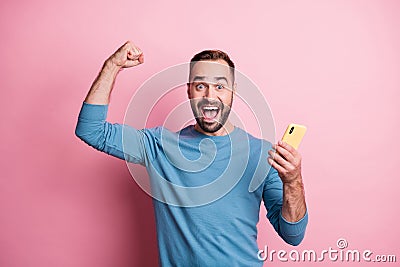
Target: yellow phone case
{"type": "Point", "coordinates": [294, 134]}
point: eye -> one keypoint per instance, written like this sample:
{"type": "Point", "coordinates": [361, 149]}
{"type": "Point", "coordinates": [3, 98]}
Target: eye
{"type": "Point", "coordinates": [200, 86]}
{"type": "Point", "coordinates": [220, 86]}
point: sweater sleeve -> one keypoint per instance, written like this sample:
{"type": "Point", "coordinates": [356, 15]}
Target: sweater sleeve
{"type": "Point", "coordinates": [291, 232]}
{"type": "Point", "coordinates": [118, 140]}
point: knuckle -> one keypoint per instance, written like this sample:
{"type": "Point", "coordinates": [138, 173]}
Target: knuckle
{"type": "Point", "coordinates": [293, 161]}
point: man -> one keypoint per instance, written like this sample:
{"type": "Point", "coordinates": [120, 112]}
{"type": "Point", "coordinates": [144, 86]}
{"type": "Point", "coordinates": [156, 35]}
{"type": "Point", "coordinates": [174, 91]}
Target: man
{"type": "Point", "coordinates": [221, 232]}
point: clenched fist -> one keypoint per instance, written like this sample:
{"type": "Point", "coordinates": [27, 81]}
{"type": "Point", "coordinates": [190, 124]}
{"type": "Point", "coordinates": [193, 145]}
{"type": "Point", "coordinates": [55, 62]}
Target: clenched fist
{"type": "Point", "coordinates": [128, 55]}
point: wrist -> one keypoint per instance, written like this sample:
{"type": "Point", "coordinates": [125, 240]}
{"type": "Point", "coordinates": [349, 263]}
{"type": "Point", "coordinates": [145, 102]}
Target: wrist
{"type": "Point", "coordinates": [110, 68]}
{"type": "Point", "coordinates": [294, 205]}
{"type": "Point", "coordinates": [294, 183]}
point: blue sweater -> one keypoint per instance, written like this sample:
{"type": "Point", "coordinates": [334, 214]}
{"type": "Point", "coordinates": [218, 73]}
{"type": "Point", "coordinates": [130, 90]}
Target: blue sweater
{"type": "Point", "coordinates": [204, 227]}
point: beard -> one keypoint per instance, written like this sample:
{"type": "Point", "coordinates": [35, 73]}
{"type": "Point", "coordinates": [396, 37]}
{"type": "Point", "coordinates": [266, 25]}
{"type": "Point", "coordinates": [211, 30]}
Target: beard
{"type": "Point", "coordinates": [211, 115]}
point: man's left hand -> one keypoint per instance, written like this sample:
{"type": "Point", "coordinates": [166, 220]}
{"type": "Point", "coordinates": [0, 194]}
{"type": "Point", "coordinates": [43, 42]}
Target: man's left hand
{"type": "Point", "coordinates": [287, 161]}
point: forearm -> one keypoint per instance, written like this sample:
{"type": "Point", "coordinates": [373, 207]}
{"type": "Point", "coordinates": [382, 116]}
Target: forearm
{"type": "Point", "coordinates": [102, 86]}
{"type": "Point", "coordinates": [294, 203]}
{"type": "Point", "coordinates": [291, 230]}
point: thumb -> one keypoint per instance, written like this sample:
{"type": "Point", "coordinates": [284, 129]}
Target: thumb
{"type": "Point", "coordinates": [131, 63]}
{"type": "Point", "coordinates": [141, 58]}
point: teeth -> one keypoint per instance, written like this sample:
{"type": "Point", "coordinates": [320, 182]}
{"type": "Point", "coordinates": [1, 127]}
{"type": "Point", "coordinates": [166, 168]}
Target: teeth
{"type": "Point", "coordinates": [210, 108]}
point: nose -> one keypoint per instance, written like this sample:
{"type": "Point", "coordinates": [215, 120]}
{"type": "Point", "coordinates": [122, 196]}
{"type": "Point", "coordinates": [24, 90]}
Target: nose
{"type": "Point", "coordinates": [210, 92]}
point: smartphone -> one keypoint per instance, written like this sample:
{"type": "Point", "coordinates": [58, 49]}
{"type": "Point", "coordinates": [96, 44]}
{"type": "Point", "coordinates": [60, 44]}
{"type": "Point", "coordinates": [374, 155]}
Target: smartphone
{"type": "Point", "coordinates": [294, 134]}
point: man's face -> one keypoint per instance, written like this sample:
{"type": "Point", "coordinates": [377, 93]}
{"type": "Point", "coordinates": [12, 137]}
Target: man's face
{"type": "Point", "coordinates": [210, 91]}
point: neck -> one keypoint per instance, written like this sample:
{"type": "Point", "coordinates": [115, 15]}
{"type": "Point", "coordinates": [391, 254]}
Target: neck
{"type": "Point", "coordinates": [226, 129]}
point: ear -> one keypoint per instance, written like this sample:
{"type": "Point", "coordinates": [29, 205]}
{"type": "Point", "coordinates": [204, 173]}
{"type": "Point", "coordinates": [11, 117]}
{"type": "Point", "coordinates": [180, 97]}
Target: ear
{"type": "Point", "coordinates": [188, 90]}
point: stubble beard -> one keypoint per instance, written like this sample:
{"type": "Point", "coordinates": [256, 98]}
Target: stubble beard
{"type": "Point", "coordinates": [210, 127]}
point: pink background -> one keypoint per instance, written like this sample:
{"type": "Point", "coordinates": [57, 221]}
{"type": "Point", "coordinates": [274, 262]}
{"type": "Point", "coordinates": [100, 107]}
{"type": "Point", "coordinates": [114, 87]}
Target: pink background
{"type": "Point", "coordinates": [331, 65]}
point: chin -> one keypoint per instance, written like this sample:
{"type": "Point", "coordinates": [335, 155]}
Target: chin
{"type": "Point", "coordinates": [209, 127]}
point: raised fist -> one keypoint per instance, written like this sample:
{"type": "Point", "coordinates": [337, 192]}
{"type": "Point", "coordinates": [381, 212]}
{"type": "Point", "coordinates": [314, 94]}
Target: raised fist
{"type": "Point", "coordinates": [127, 56]}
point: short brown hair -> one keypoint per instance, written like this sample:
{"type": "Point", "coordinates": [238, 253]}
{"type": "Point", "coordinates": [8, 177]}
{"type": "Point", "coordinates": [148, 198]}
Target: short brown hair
{"type": "Point", "coordinates": [212, 55]}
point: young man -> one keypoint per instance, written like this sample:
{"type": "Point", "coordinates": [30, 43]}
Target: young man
{"type": "Point", "coordinates": [221, 232]}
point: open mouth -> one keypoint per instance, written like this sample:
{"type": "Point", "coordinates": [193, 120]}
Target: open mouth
{"type": "Point", "coordinates": [209, 112]}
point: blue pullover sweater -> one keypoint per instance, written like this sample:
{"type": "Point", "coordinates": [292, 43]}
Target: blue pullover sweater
{"type": "Point", "coordinates": [213, 222]}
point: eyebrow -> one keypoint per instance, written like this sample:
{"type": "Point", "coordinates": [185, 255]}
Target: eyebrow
{"type": "Point", "coordinates": [202, 78]}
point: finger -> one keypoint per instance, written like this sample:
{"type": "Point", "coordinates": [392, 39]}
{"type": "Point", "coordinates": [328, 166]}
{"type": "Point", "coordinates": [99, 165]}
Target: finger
{"type": "Point", "coordinates": [131, 63]}
{"type": "Point", "coordinates": [134, 53]}
{"type": "Point", "coordinates": [129, 46]}
{"type": "Point", "coordinates": [132, 57]}
{"type": "Point", "coordinates": [137, 50]}
{"type": "Point", "coordinates": [284, 153]}
{"type": "Point", "coordinates": [288, 147]}
{"type": "Point", "coordinates": [129, 54]}
{"type": "Point", "coordinates": [273, 163]}
{"type": "Point", "coordinates": [141, 58]}
{"type": "Point", "coordinates": [279, 159]}
{"type": "Point", "coordinates": [125, 48]}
